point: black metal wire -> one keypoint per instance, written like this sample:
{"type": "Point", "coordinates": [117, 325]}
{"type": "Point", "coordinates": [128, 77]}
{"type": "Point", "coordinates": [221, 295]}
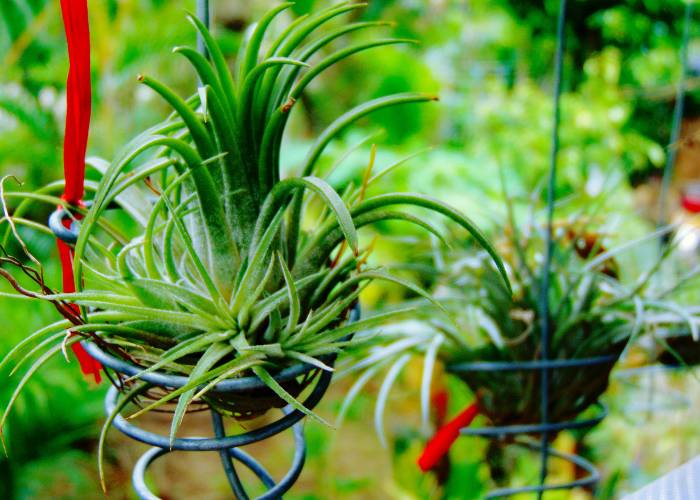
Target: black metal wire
{"type": "Point", "coordinates": [177, 381]}
{"type": "Point", "coordinates": [551, 186]}
{"type": "Point", "coordinates": [542, 428]}
{"type": "Point", "coordinates": [553, 364]}
{"type": "Point", "coordinates": [227, 446]}
{"type": "Point", "coordinates": [677, 119]}
{"type": "Point", "coordinates": [204, 15]}
{"type": "Point", "coordinates": [591, 479]}
{"type": "Point", "coordinates": [68, 235]}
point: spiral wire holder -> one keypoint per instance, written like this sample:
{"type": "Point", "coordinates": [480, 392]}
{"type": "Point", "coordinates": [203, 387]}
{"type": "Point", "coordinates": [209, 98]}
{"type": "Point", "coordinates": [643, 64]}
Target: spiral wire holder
{"type": "Point", "coordinates": [545, 428]}
{"type": "Point", "coordinates": [227, 446]}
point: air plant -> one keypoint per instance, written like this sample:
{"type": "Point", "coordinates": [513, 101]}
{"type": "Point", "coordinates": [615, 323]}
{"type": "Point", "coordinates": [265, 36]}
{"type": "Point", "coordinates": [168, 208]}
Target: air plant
{"type": "Point", "coordinates": [677, 345]}
{"type": "Point", "coordinates": [196, 257]}
{"type": "Point", "coordinates": [595, 312]}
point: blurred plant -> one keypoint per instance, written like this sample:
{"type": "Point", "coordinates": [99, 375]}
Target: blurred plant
{"type": "Point", "coordinates": [633, 25]}
{"type": "Point", "coordinates": [596, 134]}
{"type": "Point", "coordinates": [25, 119]}
{"type": "Point", "coordinates": [21, 39]}
{"type": "Point", "coordinates": [55, 419]}
{"type": "Point", "coordinates": [647, 33]}
{"type": "Point", "coordinates": [596, 310]}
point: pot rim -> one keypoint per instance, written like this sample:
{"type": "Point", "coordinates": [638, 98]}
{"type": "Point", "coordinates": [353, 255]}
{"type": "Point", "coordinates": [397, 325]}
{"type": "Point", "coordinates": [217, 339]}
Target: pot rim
{"type": "Point", "coordinates": [551, 364]}
{"type": "Point", "coordinates": [234, 385]}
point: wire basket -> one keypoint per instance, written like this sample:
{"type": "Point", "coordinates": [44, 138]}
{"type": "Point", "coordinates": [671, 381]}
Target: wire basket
{"type": "Point", "coordinates": [228, 446]}
{"type": "Point", "coordinates": [521, 434]}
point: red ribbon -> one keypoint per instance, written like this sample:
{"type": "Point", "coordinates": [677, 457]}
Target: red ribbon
{"type": "Point", "coordinates": [691, 204]}
{"type": "Point", "coordinates": [443, 439]}
{"type": "Point", "coordinates": [78, 109]}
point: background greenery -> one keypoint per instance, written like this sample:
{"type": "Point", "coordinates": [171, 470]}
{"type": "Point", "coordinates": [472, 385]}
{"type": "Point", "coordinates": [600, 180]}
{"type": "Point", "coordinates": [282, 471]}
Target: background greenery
{"type": "Point", "coordinates": [490, 61]}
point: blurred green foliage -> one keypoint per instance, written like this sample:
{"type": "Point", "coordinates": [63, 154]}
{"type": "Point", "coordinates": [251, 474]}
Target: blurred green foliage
{"type": "Point", "coordinates": [52, 433]}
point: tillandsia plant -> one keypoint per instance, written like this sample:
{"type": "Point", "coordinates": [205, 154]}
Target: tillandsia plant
{"type": "Point", "coordinates": [197, 258]}
{"type": "Point", "coordinates": [677, 345]}
{"type": "Point", "coordinates": [595, 311]}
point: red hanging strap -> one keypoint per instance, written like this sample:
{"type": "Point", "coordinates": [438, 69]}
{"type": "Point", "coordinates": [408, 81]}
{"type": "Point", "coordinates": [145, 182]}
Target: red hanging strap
{"type": "Point", "coordinates": [443, 439]}
{"type": "Point", "coordinates": [79, 105]}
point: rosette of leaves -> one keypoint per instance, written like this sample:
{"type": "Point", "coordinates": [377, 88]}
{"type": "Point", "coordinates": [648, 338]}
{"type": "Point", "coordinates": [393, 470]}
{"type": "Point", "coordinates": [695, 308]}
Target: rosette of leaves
{"type": "Point", "coordinates": [589, 318]}
{"type": "Point", "coordinates": [210, 266]}
{"type": "Point", "coordinates": [596, 310]}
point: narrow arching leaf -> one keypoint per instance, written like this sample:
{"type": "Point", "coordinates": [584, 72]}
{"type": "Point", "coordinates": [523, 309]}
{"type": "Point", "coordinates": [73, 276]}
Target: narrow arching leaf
{"type": "Point", "coordinates": [133, 393]}
{"type": "Point", "coordinates": [36, 365]}
{"type": "Point", "coordinates": [354, 391]}
{"type": "Point", "coordinates": [280, 195]}
{"type": "Point", "coordinates": [426, 382]}
{"type": "Point", "coordinates": [383, 396]}
{"type": "Point", "coordinates": [225, 78]}
{"type": "Point", "coordinates": [211, 356]}
{"type": "Point", "coordinates": [194, 124]}
{"type": "Point", "coordinates": [352, 116]}
{"type": "Point", "coordinates": [294, 303]}
{"type": "Point", "coordinates": [440, 207]}
{"type": "Point", "coordinates": [252, 49]}
{"type": "Point", "coordinates": [257, 263]}
{"type": "Point", "coordinates": [270, 381]}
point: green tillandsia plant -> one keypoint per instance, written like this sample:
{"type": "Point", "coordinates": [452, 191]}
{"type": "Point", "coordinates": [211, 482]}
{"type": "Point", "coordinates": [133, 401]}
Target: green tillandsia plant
{"type": "Point", "coordinates": [595, 312]}
{"type": "Point", "coordinates": [677, 346]}
{"type": "Point", "coordinates": [206, 268]}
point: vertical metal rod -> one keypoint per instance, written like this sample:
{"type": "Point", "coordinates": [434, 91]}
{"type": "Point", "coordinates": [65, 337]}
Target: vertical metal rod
{"type": "Point", "coordinates": [551, 186]}
{"type": "Point", "coordinates": [204, 15]}
{"type": "Point", "coordinates": [677, 120]}
{"type": "Point", "coordinates": [226, 460]}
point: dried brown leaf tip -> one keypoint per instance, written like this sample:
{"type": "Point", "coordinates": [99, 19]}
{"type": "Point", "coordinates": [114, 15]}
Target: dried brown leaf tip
{"type": "Point", "coordinates": [287, 106]}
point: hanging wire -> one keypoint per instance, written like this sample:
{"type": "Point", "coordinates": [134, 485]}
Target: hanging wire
{"type": "Point", "coordinates": [677, 120]}
{"type": "Point", "coordinates": [204, 15]}
{"type": "Point", "coordinates": [551, 186]}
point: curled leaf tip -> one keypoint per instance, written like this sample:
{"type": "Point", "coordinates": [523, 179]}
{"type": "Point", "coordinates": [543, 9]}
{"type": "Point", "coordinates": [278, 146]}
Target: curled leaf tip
{"type": "Point", "coordinates": [13, 178]}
